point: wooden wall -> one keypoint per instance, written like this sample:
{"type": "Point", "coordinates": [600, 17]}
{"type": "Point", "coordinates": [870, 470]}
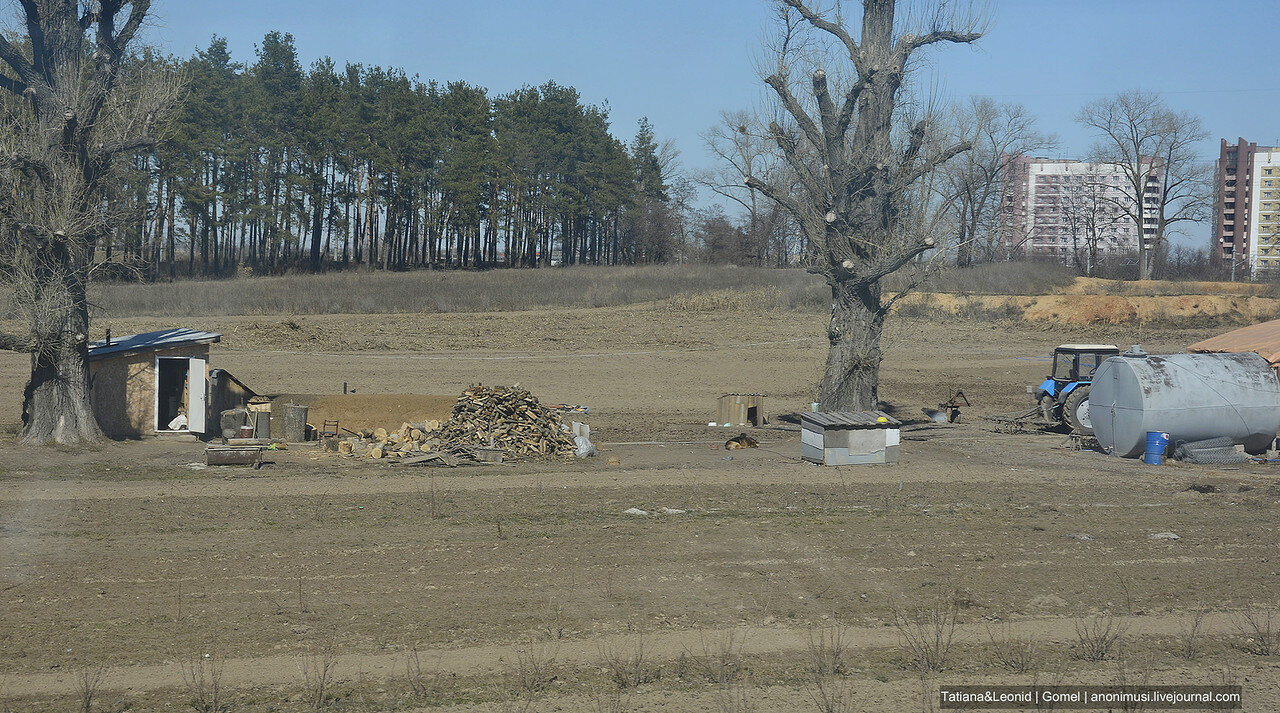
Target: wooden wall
{"type": "Point", "coordinates": [124, 390]}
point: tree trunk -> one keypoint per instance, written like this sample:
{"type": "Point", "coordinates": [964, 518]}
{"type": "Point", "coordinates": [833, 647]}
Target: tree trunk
{"type": "Point", "coordinates": [851, 380]}
{"type": "Point", "coordinates": [56, 404]}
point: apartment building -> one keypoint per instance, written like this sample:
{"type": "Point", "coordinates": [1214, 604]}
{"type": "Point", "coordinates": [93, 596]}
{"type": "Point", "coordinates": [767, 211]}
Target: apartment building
{"type": "Point", "coordinates": [1071, 210]}
{"type": "Point", "coordinates": [1246, 222]}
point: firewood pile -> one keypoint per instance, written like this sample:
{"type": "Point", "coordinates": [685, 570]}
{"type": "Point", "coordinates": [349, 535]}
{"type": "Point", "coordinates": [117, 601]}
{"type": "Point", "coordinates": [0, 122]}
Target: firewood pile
{"type": "Point", "coordinates": [509, 418]}
{"type": "Point", "coordinates": [486, 419]}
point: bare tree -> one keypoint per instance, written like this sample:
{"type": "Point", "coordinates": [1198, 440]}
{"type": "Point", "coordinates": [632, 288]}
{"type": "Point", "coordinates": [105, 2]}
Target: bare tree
{"type": "Point", "coordinates": [999, 133]}
{"type": "Point", "coordinates": [73, 100]}
{"type": "Point", "coordinates": [744, 148]}
{"type": "Point", "coordinates": [1089, 216]}
{"type": "Point", "coordinates": [1155, 147]}
{"type": "Point", "coordinates": [858, 158]}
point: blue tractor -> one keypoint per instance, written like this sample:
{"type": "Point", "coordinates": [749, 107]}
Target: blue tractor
{"type": "Point", "coordinates": [1063, 398]}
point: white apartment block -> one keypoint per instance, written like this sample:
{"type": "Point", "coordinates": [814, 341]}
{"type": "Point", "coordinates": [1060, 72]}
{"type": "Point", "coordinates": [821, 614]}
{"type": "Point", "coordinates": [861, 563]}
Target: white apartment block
{"type": "Point", "coordinates": [1264, 210]}
{"type": "Point", "coordinates": [1058, 207]}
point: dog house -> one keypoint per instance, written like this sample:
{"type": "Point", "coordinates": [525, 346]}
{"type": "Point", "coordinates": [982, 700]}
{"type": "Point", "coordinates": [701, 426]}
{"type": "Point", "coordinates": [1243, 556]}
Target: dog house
{"type": "Point", "coordinates": [741, 410]}
{"type": "Point", "coordinates": [152, 383]}
{"type": "Point", "coordinates": [849, 437]}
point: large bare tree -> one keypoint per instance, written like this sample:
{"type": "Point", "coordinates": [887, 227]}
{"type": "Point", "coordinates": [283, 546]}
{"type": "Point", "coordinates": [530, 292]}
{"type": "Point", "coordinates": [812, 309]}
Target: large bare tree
{"type": "Point", "coordinates": [1154, 146]}
{"type": "Point", "coordinates": [999, 133]}
{"type": "Point", "coordinates": [72, 101]}
{"type": "Point", "coordinates": [856, 150]}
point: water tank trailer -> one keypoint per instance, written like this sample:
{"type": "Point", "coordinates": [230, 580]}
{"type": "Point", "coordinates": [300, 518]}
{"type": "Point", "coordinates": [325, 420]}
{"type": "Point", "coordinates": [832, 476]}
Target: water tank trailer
{"type": "Point", "coordinates": [1191, 397]}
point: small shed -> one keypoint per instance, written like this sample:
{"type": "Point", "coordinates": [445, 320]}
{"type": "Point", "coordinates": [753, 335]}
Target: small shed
{"type": "Point", "coordinates": [144, 383]}
{"type": "Point", "coordinates": [849, 437]}
{"type": "Point", "coordinates": [741, 410]}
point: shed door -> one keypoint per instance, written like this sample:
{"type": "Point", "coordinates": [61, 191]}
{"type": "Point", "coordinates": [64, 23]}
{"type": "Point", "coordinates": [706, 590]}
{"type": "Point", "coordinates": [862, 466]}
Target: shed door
{"type": "Point", "coordinates": [197, 394]}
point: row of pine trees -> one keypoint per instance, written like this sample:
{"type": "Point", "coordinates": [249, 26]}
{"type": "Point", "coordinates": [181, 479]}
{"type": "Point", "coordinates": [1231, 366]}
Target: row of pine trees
{"type": "Point", "coordinates": [271, 167]}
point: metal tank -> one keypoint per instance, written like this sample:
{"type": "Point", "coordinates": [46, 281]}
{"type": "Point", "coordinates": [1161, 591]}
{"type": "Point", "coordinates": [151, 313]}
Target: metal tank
{"type": "Point", "coordinates": [1189, 396]}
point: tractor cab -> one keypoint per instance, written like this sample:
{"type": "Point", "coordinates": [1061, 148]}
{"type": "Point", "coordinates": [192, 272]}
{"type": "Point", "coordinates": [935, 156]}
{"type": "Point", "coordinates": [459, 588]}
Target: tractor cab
{"type": "Point", "coordinates": [1077, 362]}
{"type": "Point", "coordinates": [1064, 396]}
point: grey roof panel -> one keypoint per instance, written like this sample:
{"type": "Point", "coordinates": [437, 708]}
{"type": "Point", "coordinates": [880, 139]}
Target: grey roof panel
{"type": "Point", "coordinates": [150, 341]}
{"type": "Point", "coordinates": [856, 419]}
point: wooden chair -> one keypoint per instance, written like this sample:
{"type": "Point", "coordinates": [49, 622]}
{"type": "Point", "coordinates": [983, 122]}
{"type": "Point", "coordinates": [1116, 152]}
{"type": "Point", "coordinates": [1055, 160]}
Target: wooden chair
{"type": "Point", "coordinates": [329, 429]}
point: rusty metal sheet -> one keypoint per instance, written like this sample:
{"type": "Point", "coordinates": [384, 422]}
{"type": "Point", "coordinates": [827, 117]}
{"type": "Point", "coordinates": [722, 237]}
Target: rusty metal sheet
{"type": "Point", "coordinates": [1262, 339]}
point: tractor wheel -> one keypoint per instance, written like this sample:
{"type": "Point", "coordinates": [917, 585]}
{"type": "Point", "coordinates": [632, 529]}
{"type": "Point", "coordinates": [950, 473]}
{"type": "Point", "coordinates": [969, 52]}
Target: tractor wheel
{"type": "Point", "coordinates": [1075, 410]}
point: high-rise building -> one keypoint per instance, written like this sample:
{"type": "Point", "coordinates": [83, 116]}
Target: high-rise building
{"type": "Point", "coordinates": [1072, 210]}
{"type": "Point", "coordinates": [1246, 226]}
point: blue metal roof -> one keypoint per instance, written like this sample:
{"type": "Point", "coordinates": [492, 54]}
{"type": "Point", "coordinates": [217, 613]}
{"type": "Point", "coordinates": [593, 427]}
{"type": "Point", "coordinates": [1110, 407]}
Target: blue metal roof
{"type": "Point", "coordinates": [150, 341]}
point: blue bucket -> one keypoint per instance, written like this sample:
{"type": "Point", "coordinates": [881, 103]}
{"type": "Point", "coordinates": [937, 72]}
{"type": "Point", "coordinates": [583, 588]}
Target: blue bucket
{"type": "Point", "coordinates": [1157, 442]}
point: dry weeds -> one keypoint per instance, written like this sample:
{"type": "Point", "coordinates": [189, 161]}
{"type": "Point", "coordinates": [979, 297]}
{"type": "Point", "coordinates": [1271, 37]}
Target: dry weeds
{"type": "Point", "coordinates": [734, 697]}
{"type": "Point", "coordinates": [317, 665]}
{"type": "Point", "coordinates": [929, 632]}
{"type": "Point", "coordinates": [720, 660]}
{"type": "Point", "coordinates": [831, 694]}
{"type": "Point", "coordinates": [828, 651]}
{"type": "Point", "coordinates": [1016, 652]}
{"type": "Point", "coordinates": [1097, 635]}
{"type": "Point", "coordinates": [360, 292]}
{"type": "Point", "coordinates": [1132, 675]}
{"type": "Point", "coordinates": [424, 684]}
{"type": "Point", "coordinates": [1258, 630]}
{"type": "Point", "coordinates": [1190, 639]}
{"type": "Point", "coordinates": [612, 701]}
{"type": "Point", "coordinates": [629, 668]}
{"type": "Point", "coordinates": [532, 670]}
{"type": "Point", "coordinates": [688, 288]}
{"type": "Point", "coordinates": [202, 676]}
{"type": "Point", "coordinates": [88, 681]}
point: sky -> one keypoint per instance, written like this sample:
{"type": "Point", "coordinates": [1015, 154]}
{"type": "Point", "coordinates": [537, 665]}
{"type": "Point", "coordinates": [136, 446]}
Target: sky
{"type": "Point", "coordinates": [680, 63]}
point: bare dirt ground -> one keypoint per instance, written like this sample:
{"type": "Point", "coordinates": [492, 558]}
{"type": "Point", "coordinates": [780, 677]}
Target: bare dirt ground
{"type": "Point", "coordinates": [528, 584]}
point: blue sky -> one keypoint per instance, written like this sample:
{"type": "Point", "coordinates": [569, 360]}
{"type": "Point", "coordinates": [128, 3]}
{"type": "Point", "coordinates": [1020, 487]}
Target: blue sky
{"type": "Point", "coordinates": [681, 63]}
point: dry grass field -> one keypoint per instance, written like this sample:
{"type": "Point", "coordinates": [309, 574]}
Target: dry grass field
{"type": "Point", "coordinates": [131, 576]}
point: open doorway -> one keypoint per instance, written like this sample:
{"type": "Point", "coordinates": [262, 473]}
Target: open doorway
{"type": "Point", "coordinates": [171, 392]}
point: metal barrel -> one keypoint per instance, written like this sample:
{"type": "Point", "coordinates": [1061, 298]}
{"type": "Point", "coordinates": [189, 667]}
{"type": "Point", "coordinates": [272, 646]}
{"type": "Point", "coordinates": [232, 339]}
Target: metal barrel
{"type": "Point", "coordinates": [295, 423]}
{"type": "Point", "coordinates": [1157, 442]}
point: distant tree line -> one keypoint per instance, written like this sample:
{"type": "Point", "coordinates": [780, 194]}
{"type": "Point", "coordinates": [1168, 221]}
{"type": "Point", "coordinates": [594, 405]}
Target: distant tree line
{"type": "Point", "coordinates": [271, 167]}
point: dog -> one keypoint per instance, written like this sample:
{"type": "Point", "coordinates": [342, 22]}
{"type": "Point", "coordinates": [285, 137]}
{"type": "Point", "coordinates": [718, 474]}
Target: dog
{"type": "Point", "coordinates": [741, 440]}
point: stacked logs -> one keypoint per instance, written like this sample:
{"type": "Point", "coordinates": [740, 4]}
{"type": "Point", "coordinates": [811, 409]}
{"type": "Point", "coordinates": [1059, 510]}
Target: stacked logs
{"type": "Point", "coordinates": [509, 418]}
{"type": "Point", "coordinates": [409, 439]}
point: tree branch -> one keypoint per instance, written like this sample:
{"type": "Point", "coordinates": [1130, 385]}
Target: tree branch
{"type": "Point", "coordinates": [910, 43]}
{"type": "Point", "coordinates": [796, 111]}
{"type": "Point", "coordinates": [28, 165]}
{"type": "Point", "coordinates": [813, 18]}
{"type": "Point", "coordinates": [133, 144]}
{"type": "Point", "coordinates": [873, 271]}
{"type": "Point", "coordinates": [14, 343]}
{"type": "Point", "coordinates": [791, 152]}
{"type": "Point", "coordinates": [136, 14]}
{"type": "Point", "coordinates": [13, 86]}
{"type": "Point", "coordinates": [36, 34]}
{"type": "Point", "coordinates": [777, 196]}
{"type": "Point", "coordinates": [851, 100]}
{"type": "Point", "coordinates": [834, 138]}
{"type": "Point", "coordinates": [937, 160]}
{"type": "Point", "coordinates": [12, 57]}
